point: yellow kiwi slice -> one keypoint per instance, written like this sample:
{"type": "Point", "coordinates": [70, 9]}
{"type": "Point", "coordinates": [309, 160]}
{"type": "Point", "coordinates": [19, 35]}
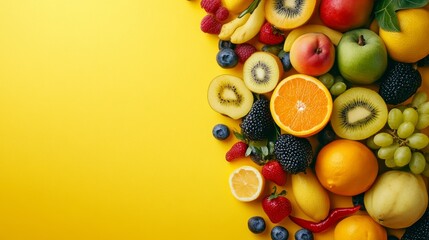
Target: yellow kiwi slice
{"type": "Point", "coordinates": [262, 72]}
{"type": "Point", "coordinates": [358, 113]}
{"type": "Point", "coordinates": [228, 96]}
{"type": "Point", "coordinates": [289, 14]}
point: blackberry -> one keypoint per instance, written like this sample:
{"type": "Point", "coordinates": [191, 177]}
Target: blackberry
{"type": "Point", "coordinates": [293, 153]}
{"type": "Point", "coordinates": [258, 124]}
{"type": "Point", "coordinates": [399, 82]}
{"type": "Point", "coordinates": [419, 230]}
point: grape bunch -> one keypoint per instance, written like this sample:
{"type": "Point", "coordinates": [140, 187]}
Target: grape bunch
{"type": "Point", "coordinates": [335, 84]}
{"type": "Point", "coordinates": [401, 143]}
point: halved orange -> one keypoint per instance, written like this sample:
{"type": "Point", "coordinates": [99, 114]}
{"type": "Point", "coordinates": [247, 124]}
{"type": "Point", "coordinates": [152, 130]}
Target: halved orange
{"type": "Point", "coordinates": [301, 105]}
{"type": "Point", "coordinates": [246, 183]}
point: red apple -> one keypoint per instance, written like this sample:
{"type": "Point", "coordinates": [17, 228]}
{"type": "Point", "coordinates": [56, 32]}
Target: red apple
{"type": "Point", "coordinates": [344, 15]}
{"type": "Point", "coordinates": [312, 54]}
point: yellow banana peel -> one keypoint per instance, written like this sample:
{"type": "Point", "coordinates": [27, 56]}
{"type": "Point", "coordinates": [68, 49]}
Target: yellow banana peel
{"type": "Point", "coordinates": [228, 28]}
{"type": "Point", "coordinates": [252, 26]}
{"type": "Point", "coordinates": [334, 35]}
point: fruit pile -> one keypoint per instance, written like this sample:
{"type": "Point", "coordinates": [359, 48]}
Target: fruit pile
{"type": "Point", "coordinates": [329, 96]}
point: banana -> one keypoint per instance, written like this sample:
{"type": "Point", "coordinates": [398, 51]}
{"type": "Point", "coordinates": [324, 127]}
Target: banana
{"type": "Point", "coordinates": [252, 26]}
{"type": "Point", "coordinates": [228, 28]}
{"type": "Point", "coordinates": [334, 35]}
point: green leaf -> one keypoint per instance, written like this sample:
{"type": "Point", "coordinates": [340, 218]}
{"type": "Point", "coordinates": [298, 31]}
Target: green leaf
{"type": "Point", "coordinates": [385, 12]}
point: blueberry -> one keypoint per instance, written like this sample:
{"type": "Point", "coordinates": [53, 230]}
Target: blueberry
{"type": "Point", "coordinates": [256, 224]}
{"type": "Point", "coordinates": [285, 60]}
{"type": "Point", "coordinates": [358, 200]}
{"type": "Point", "coordinates": [227, 58]}
{"type": "Point", "coordinates": [220, 131]}
{"type": "Point", "coordinates": [279, 233]}
{"type": "Point", "coordinates": [225, 44]}
{"type": "Point", "coordinates": [304, 234]}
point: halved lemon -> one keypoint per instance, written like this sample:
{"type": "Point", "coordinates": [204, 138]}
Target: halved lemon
{"type": "Point", "coordinates": [301, 105]}
{"type": "Point", "coordinates": [246, 183]}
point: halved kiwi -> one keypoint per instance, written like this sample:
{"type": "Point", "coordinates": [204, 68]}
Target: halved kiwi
{"type": "Point", "coordinates": [358, 113]}
{"type": "Point", "coordinates": [289, 14]}
{"type": "Point", "coordinates": [262, 72]}
{"type": "Point", "coordinates": [228, 96]}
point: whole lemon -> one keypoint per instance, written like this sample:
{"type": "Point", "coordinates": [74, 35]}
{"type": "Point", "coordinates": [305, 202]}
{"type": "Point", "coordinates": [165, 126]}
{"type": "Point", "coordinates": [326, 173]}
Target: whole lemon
{"type": "Point", "coordinates": [346, 167]}
{"type": "Point", "coordinates": [236, 6]}
{"type": "Point", "coordinates": [359, 227]}
{"type": "Point", "coordinates": [410, 44]}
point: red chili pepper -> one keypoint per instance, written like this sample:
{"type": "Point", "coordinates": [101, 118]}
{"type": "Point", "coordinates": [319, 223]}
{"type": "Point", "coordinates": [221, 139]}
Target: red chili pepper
{"type": "Point", "coordinates": [333, 218]}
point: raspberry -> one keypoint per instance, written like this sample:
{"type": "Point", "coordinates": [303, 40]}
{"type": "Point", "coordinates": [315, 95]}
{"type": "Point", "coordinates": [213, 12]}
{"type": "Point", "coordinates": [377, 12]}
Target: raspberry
{"type": "Point", "coordinates": [211, 6]}
{"type": "Point", "coordinates": [210, 25]}
{"type": "Point", "coordinates": [244, 51]}
{"type": "Point", "coordinates": [238, 150]}
{"type": "Point", "coordinates": [222, 14]}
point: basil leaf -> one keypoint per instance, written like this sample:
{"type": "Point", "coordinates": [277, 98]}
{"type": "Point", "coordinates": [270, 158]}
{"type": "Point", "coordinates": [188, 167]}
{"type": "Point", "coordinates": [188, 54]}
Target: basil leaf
{"type": "Point", "coordinates": [385, 12]}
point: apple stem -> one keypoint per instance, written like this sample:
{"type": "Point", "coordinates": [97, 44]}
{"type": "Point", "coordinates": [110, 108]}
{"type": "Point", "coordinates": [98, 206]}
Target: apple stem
{"type": "Point", "coordinates": [361, 40]}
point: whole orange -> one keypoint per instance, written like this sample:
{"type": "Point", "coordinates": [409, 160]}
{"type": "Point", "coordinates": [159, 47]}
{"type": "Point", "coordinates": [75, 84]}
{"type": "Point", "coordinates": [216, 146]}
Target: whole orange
{"type": "Point", "coordinates": [346, 167]}
{"type": "Point", "coordinates": [359, 227]}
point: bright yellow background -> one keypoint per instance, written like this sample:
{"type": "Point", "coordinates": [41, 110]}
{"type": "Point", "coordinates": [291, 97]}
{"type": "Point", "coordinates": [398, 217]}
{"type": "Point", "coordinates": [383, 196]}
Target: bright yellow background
{"type": "Point", "coordinates": [105, 131]}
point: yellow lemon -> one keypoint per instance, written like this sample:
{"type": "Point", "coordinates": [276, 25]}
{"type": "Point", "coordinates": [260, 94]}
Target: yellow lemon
{"type": "Point", "coordinates": [246, 183]}
{"type": "Point", "coordinates": [411, 43]}
{"type": "Point", "coordinates": [236, 6]}
{"type": "Point", "coordinates": [359, 227]}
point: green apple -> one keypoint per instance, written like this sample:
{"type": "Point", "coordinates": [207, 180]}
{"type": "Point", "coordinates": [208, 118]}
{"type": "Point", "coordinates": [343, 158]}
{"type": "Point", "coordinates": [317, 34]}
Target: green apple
{"type": "Point", "coordinates": [361, 56]}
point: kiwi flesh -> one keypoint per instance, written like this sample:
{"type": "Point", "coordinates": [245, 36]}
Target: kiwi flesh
{"type": "Point", "coordinates": [289, 14]}
{"type": "Point", "coordinates": [228, 96]}
{"type": "Point", "coordinates": [358, 113]}
{"type": "Point", "coordinates": [262, 72]}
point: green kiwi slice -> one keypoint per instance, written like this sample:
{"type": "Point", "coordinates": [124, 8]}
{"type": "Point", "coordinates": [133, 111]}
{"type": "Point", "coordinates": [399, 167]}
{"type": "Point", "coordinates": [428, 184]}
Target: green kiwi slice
{"type": "Point", "coordinates": [262, 72]}
{"type": "Point", "coordinates": [228, 96]}
{"type": "Point", "coordinates": [358, 113]}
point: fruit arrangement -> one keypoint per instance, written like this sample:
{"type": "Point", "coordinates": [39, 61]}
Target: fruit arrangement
{"type": "Point", "coordinates": [328, 100]}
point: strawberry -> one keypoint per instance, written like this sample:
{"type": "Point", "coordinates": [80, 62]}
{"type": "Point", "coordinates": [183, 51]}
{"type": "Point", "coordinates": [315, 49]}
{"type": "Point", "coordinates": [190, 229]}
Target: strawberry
{"type": "Point", "coordinates": [238, 150]}
{"type": "Point", "coordinates": [210, 25]}
{"type": "Point", "coordinates": [244, 51]}
{"type": "Point", "coordinates": [276, 206]}
{"type": "Point", "coordinates": [268, 34]}
{"type": "Point", "coordinates": [274, 172]}
{"type": "Point", "coordinates": [211, 6]}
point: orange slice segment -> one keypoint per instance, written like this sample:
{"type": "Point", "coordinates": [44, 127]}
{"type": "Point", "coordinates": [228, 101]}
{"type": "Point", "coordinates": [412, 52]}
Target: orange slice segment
{"type": "Point", "coordinates": [246, 183]}
{"type": "Point", "coordinates": [301, 105]}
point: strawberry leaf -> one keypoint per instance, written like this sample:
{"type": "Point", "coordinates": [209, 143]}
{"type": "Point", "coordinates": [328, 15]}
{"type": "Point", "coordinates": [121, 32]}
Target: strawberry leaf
{"type": "Point", "coordinates": [385, 12]}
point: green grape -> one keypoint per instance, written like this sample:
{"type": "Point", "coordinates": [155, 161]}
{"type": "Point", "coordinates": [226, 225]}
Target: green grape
{"type": "Point", "coordinates": [390, 163]}
{"type": "Point", "coordinates": [402, 156]}
{"type": "Point", "coordinates": [383, 139]}
{"type": "Point", "coordinates": [327, 79]}
{"type": "Point", "coordinates": [338, 88]}
{"type": "Point", "coordinates": [370, 143]}
{"type": "Point", "coordinates": [410, 115]}
{"type": "Point", "coordinates": [395, 118]}
{"type": "Point", "coordinates": [419, 98]}
{"type": "Point", "coordinates": [405, 129]}
{"type": "Point", "coordinates": [423, 121]}
{"type": "Point", "coordinates": [387, 152]}
{"type": "Point", "coordinates": [426, 170]}
{"type": "Point", "coordinates": [417, 163]}
{"type": "Point", "coordinates": [418, 140]}
{"type": "Point", "coordinates": [339, 78]}
{"type": "Point", "coordinates": [423, 108]}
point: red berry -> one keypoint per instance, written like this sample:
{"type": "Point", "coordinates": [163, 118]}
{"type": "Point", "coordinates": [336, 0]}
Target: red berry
{"type": "Point", "coordinates": [276, 206]}
{"type": "Point", "coordinates": [244, 51]}
{"type": "Point", "coordinates": [210, 25]}
{"type": "Point", "coordinates": [238, 150]}
{"type": "Point", "coordinates": [268, 34]}
{"type": "Point", "coordinates": [222, 14]}
{"type": "Point", "coordinates": [273, 171]}
{"type": "Point", "coordinates": [211, 5]}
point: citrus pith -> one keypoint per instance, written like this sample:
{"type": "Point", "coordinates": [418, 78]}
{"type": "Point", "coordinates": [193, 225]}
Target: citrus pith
{"type": "Point", "coordinates": [246, 183]}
